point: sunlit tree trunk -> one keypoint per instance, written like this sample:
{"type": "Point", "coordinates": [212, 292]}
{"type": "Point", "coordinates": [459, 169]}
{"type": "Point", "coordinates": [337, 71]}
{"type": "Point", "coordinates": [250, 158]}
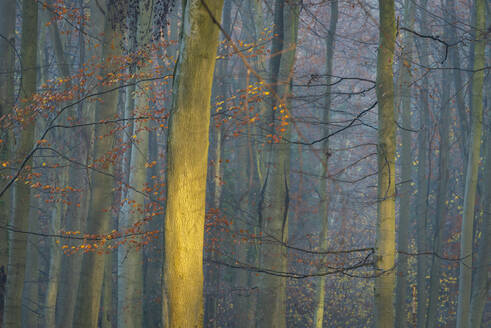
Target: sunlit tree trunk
{"type": "Point", "coordinates": [465, 276]}
{"type": "Point", "coordinates": [90, 286]}
{"type": "Point", "coordinates": [187, 164]}
{"type": "Point", "coordinates": [274, 200]}
{"type": "Point", "coordinates": [17, 241]}
{"type": "Point", "coordinates": [130, 258]}
{"type": "Point", "coordinates": [325, 153]}
{"type": "Point", "coordinates": [385, 239]}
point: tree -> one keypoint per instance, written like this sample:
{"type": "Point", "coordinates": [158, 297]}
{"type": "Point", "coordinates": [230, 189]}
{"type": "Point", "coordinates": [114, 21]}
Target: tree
{"type": "Point", "coordinates": [91, 278]}
{"type": "Point", "coordinates": [465, 276]}
{"type": "Point", "coordinates": [273, 205]}
{"type": "Point", "coordinates": [385, 239]}
{"type": "Point", "coordinates": [22, 191]}
{"type": "Point", "coordinates": [7, 61]}
{"type": "Point", "coordinates": [187, 163]}
{"type": "Point", "coordinates": [324, 188]}
{"type": "Point", "coordinates": [130, 257]}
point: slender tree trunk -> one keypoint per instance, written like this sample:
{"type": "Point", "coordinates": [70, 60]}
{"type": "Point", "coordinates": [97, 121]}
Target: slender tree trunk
{"type": "Point", "coordinates": [404, 101]}
{"type": "Point", "coordinates": [273, 204]}
{"type": "Point", "coordinates": [423, 183]}
{"type": "Point", "coordinates": [55, 262]}
{"type": "Point", "coordinates": [465, 276]}
{"type": "Point", "coordinates": [130, 257]}
{"type": "Point", "coordinates": [324, 188]}
{"type": "Point", "coordinates": [17, 241]}
{"type": "Point", "coordinates": [454, 57]}
{"type": "Point", "coordinates": [480, 283]}
{"type": "Point", "coordinates": [107, 294]}
{"type": "Point", "coordinates": [187, 164]}
{"type": "Point", "coordinates": [441, 206]}
{"type": "Point", "coordinates": [7, 62]}
{"type": "Point", "coordinates": [385, 240]}
{"type": "Point", "coordinates": [92, 274]}
{"type": "Point", "coordinates": [77, 211]}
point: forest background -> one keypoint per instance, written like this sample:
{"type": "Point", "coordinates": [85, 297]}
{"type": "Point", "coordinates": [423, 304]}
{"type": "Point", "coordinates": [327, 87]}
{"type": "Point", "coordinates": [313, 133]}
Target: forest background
{"type": "Point", "coordinates": [245, 163]}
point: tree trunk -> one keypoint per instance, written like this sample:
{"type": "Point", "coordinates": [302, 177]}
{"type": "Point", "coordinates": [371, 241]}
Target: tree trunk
{"type": "Point", "coordinates": [465, 276]}
{"type": "Point", "coordinates": [423, 184]}
{"type": "Point", "coordinates": [385, 239]}
{"type": "Point", "coordinates": [404, 101]}
{"type": "Point", "coordinates": [273, 205]}
{"type": "Point", "coordinates": [130, 257]}
{"type": "Point", "coordinates": [441, 204]}
{"type": "Point", "coordinates": [187, 164]}
{"type": "Point", "coordinates": [480, 283]}
{"type": "Point", "coordinates": [17, 241]}
{"type": "Point", "coordinates": [91, 279]}
{"type": "Point", "coordinates": [325, 153]}
{"type": "Point", "coordinates": [7, 61]}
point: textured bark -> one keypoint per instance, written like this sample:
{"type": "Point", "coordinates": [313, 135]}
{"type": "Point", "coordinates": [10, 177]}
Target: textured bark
{"type": "Point", "coordinates": [385, 239]}
{"type": "Point", "coordinates": [325, 153]}
{"type": "Point", "coordinates": [187, 164]}
{"type": "Point", "coordinates": [91, 279]}
{"type": "Point", "coordinates": [17, 241]}
{"type": "Point", "coordinates": [273, 205]}
{"type": "Point", "coordinates": [465, 275]}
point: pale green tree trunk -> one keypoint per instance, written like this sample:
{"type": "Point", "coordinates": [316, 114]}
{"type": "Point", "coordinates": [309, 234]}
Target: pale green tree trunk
{"type": "Point", "coordinates": [325, 153]}
{"type": "Point", "coordinates": [187, 164]}
{"type": "Point", "coordinates": [273, 206]}
{"type": "Point", "coordinates": [107, 293]}
{"type": "Point", "coordinates": [385, 252]}
{"type": "Point", "coordinates": [465, 276]}
{"type": "Point", "coordinates": [480, 283]}
{"type": "Point", "coordinates": [17, 241]}
{"type": "Point", "coordinates": [55, 261]}
{"type": "Point", "coordinates": [92, 274]}
{"type": "Point", "coordinates": [130, 258]}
